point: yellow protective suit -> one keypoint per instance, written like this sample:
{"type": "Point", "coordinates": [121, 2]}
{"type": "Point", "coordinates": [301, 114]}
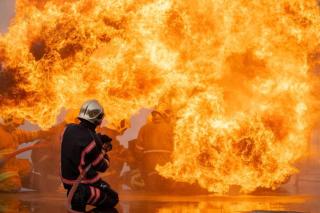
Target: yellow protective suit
{"type": "Point", "coordinates": [155, 142]}
{"type": "Point", "coordinates": [14, 170]}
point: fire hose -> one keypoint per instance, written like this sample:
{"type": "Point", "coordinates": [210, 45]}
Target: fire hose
{"type": "Point", "coordinates": [4, 158]}
{"type": "Point", "coordinates": [75, 187]}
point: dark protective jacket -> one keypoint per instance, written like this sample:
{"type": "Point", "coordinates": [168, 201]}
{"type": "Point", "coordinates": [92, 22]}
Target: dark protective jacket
{"type": "Point", "coordinates": [80, 147]}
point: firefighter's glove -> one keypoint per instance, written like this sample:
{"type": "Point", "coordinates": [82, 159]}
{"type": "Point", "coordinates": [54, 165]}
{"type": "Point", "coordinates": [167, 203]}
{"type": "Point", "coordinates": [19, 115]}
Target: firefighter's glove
{"type": "Point", "coordinates": [107, 146]}
{"type": "Point", "coordinates": [106, 142]}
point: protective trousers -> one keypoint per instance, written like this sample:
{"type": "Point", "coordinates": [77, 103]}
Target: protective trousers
{"type": "Point", "coordinates": [98, 194]}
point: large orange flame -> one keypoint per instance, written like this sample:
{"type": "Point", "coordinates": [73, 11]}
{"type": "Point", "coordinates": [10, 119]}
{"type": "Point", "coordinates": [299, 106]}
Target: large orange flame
{"type": "Point", "coordinates": [235, 73]}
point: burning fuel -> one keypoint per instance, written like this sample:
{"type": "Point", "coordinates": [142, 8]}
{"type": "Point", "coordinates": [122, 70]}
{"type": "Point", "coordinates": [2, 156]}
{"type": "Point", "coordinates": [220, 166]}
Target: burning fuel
{"type": "Point", "coordinates": [236, 75]}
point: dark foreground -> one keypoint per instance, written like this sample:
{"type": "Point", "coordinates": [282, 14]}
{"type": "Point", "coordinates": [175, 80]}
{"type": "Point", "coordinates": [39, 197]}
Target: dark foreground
{"type": "Point", "coordinates": [141, 202]}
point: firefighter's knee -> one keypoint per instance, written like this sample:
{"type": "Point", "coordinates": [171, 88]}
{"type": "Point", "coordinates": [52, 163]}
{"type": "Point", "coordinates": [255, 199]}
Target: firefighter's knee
{"type": "Point", "coordinates": [110, 199]}
{"type": "Point", "coordinates": [115, 199]}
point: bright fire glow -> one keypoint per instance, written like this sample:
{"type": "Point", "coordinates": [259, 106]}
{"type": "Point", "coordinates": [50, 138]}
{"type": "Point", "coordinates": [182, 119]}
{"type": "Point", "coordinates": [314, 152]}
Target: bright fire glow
{"type": "Point", "coordinates": [235, 73]}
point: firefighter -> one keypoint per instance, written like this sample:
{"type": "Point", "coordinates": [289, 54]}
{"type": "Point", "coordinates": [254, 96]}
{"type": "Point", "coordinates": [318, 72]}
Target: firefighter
{"type": "Point", "coordinates": [14, 172]}
{"type": "Point", "coordinates": [82, 152]}
{"type": "Point", "coordinates": [155, 143]}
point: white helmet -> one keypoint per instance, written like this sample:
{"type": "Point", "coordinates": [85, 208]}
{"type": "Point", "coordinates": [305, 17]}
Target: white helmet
{"type": "Point", "coordinates": [92, 111]}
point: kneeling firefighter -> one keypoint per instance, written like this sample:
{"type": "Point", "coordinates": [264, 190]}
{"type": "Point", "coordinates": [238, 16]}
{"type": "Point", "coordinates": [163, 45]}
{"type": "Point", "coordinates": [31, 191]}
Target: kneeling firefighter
{"type": "Point", "coordinates": [83, 155]}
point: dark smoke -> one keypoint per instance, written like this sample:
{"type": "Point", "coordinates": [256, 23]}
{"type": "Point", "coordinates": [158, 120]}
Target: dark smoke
{"type": "Point", "coordinates": [10, 91]}
{"type": "Point", "coordinates": [69, 50]}
{"type": "Point", "coordinates": [38, 49]}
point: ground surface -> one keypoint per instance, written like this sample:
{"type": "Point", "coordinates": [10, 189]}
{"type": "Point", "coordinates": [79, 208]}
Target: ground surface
{"type": "Point", "coordinates": [143, 202]}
